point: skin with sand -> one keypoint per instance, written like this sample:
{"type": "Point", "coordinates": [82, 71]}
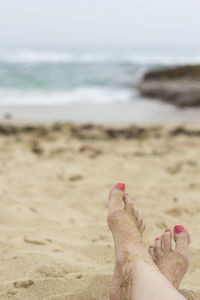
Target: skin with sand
{"type": "Point", "coordinates": [140, 274]}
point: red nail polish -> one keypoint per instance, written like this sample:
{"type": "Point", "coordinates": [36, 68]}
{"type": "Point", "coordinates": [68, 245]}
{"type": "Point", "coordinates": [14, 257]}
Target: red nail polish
{"type": "Point", "coordinates": [157, 239]}
{"type": "Point", "coordinates": [178, 228]}
{"type": "Point", "coordinates": [150, 246]}
{"type": "Point", "coordinates": [126, 194]}
{"type": "Point", "coordinates": [121, 186]}
{"type": "Point", "coordinates": [167, 230]}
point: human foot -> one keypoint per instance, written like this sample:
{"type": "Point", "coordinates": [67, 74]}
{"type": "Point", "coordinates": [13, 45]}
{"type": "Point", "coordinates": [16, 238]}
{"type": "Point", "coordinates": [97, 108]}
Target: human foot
{"type": "Point", "coordinates": [127, 228]}
{"type": "Point", "coordinates": [173, 264]}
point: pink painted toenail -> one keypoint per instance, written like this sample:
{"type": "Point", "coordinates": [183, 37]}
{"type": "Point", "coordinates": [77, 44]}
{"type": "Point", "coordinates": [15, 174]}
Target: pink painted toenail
{"type": "Point", "coordinates": [167, 230]}
{"type": "Point", "coordinates": [126, 194]}
{"type": "Point", "coordinates": [121, 186]}
{"type": "Point", "coordinates": [150, 246]}
{"type": "Point", "coordinates": [178, 228]}
{"type": "Point", "coordinates": [157, 239]}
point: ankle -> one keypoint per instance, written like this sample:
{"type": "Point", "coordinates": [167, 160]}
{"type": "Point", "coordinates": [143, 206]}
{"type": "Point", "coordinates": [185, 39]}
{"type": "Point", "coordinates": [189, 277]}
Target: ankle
{"type": "Point", "coordinates": [127, 257]}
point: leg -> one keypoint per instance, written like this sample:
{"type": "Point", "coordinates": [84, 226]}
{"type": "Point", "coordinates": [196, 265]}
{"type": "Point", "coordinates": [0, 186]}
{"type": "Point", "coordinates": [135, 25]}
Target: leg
{"type": "Point", "coordinates": [137, 276]}
{"type": "Point", "coordinates": [115, 288]}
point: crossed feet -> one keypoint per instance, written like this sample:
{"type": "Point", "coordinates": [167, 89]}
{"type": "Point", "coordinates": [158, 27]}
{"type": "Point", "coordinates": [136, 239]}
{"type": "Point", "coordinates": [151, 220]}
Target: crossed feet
{"type": "Point", "coordinates": [127, 228]}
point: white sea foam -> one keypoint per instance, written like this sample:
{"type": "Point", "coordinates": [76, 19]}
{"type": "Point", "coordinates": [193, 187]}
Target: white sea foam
{"type": "Point", "coordinates": [163, 60]}
{"type": "Point", "coordinates": [35, 57]}
{"type": "Point", "coordinates": [81, 95]}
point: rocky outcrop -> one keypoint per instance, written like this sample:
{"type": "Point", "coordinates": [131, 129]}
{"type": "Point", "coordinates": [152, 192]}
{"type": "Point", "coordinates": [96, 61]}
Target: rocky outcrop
{"type": "Point", "coordinates": [178, 85]}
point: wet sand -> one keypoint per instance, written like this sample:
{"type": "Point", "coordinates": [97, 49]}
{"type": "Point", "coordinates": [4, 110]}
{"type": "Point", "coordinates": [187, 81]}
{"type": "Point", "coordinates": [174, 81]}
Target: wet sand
{"type": "Point", "coordinates": [139, 111]}
{"type": "Point", "coordinates": [55, 178]}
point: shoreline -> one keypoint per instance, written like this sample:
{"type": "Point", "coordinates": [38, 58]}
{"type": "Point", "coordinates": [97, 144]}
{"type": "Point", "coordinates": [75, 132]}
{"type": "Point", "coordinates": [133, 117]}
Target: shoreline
{"type": "Point", "coordinates": [140, 111]}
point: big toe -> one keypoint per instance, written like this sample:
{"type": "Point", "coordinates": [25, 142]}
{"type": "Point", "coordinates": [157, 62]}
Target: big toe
{"type": "Point", "coordinates": [116, 196]}
{"type": "Point", "coordinates": [182, 240]}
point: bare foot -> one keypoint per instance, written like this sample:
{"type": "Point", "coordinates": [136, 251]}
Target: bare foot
{"type": "Point", "coordinates": [173, 264]}
{"type": "Point", "coordinates": [127, 228]}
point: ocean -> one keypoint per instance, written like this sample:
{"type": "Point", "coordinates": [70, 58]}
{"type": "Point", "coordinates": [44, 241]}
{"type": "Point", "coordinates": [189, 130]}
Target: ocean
{"type": "Point", "coordinates": [44, 80]}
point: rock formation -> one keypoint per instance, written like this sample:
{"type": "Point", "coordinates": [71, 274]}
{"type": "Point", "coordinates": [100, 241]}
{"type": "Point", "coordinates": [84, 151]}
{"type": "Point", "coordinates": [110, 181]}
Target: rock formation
{"type": "Point", "coordinates": [177, 85]}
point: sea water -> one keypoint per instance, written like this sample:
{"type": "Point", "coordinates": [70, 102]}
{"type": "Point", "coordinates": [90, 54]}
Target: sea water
{"type": "Point", "coordinates": [84, 78]}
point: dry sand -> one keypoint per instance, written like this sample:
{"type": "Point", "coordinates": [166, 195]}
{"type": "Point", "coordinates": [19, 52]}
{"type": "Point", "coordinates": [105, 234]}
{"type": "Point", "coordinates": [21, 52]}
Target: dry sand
{"type": "Point", "coordinates": [55, 243]}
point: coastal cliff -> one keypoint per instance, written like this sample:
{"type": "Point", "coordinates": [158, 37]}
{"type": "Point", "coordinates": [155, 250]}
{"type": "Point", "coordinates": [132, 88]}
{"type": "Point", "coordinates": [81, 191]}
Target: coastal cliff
{"type": "Point", "coordinates": [177, 85]}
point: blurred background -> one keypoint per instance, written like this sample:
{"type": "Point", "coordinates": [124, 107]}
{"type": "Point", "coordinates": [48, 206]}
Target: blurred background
{"type": "Point", "coordinates": [84, 60]}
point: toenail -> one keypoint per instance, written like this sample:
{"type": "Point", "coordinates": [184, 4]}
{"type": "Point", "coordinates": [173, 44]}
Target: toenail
{"type": "Point", "coordinates": [167, 230]}
{"type": "Point", "coordinates": [157, 239]}
{"type": "Point", "coordinates": [126, 194]}
{"type": "Point", "coordinates": [178, 228]}
{"type": "Point", "coordinates": [150, 246]}
{"type": "Point", "coordinates": [121, 186]}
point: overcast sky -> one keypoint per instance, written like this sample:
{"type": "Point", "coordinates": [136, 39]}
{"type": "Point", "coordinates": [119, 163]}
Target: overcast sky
{"type": "Point", "coordinates": [100, 22]}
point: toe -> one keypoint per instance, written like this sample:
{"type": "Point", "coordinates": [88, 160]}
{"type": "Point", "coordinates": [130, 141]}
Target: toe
{"type": "Point", "coordinates": [139, 221]}
{"type": "Point", "coordinates": [138, 218]}
{"type": "Point", "coordinates": [182, 240]}
{"type": "Point", "coordinates": [128, 204]}
{"type": "Point", "coordinates": [129, 207]}
{"type": "Point", "coordinates": [157, 249]}
{"type": "Point", "coordinates": [151, 252]}
{"type": "Point", "coordinates": [142, 227]}
{"type": "Point", "coordinates": [166, 241]}
{"type": "Point", "coordinates": [136, 213]}
{"type": "Point", "coordinates": [116, 196]}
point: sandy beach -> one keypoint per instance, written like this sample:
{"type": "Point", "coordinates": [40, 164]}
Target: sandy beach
{"type": "Point", "coordinates": [55, 179]}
